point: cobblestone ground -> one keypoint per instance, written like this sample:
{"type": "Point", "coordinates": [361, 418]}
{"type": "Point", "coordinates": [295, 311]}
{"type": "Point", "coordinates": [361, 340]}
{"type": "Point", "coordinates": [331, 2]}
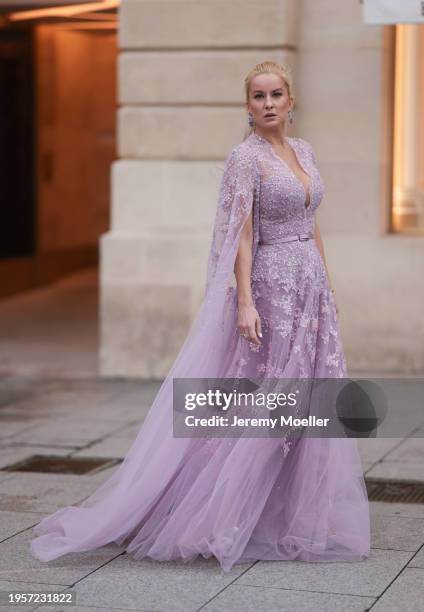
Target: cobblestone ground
{"type": "Point", "coordinates": [100, 418]}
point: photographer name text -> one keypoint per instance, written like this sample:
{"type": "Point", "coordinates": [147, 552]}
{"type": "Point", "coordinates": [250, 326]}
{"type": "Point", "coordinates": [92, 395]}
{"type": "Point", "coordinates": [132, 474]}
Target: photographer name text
{"type": "Point", "coordinates": [269, 422]}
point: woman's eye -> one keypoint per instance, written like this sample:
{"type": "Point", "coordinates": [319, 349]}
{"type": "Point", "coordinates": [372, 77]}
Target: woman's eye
{"type": "Point", "coordinates": [279, 94]}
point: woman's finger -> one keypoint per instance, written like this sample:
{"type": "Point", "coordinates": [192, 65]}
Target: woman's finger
{"type": "Point", "coordinates": [259, 327]}
{"type": "Point", "coordinates": [252, 333]}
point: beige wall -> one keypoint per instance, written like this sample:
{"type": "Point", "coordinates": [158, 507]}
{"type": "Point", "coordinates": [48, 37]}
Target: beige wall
{"type": "Point", "coordinates": [181, 70]}
{"type": "Point", "coordinates": [344, 91]}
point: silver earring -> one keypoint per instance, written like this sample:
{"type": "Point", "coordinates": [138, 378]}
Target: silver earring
{"type": "Point", "coordinates": [290, 113]}
{"type": "Point", "coordinates": [251, 120]}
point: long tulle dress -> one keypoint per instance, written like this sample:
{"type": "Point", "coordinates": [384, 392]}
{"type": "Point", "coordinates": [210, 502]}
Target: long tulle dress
{"type": "Point", "coordinates": [240, 499]}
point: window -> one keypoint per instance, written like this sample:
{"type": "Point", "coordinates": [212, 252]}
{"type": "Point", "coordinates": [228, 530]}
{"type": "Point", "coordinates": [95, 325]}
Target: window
{"type": "Point", "coordinates": [407, 212]}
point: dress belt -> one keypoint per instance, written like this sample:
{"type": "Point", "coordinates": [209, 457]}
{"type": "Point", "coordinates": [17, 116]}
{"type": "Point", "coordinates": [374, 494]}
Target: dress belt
{"type": "Point", "coordinates": [291, 238]}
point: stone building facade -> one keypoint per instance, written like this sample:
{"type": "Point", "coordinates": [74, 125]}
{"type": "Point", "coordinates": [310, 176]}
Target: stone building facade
{"type": "Point", "coordinates": [181, 68]}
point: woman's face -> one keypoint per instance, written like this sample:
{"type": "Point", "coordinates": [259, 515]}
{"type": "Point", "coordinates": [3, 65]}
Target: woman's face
{"type": "Point", "coordinates": [268, 94]}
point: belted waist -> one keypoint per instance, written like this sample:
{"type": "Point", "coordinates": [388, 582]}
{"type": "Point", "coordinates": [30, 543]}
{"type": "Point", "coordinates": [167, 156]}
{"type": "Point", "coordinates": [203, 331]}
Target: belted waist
{"type": "Point", "coordinates": [290, 238]}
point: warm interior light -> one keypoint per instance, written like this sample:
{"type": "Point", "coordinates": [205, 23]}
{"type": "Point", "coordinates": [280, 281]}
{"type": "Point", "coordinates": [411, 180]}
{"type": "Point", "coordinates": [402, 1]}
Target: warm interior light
{"type": "Point", "coordinates": [65, 11]}
{"type": "Point", "coordinates": [408, 136]}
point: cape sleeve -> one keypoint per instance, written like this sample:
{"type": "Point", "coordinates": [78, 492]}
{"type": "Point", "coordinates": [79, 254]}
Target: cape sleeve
{"type": "Point", "coordinates": [117, 510]}
{"type": "Point", "coordinates": [235, 201]}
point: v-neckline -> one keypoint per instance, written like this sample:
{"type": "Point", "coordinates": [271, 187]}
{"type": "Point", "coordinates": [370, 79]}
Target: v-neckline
{"type": "Point", "coordinates": [307, 190]}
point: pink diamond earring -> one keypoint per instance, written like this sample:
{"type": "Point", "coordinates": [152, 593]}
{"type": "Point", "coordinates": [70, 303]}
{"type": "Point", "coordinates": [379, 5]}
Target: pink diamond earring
{"type": "Point", "coordinates": [290, 114]}
{"type": "Point", "coordinates": [251, 120]}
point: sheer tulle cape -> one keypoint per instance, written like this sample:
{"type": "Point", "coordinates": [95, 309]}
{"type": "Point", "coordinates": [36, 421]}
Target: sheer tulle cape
{"type": "Point", "coordinates": [238, 499]}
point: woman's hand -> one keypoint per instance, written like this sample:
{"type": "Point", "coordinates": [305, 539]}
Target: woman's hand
{"type": "Point", "coordinates": [249, 323]}
{"type": "Point", "coordinates": [335, 303]}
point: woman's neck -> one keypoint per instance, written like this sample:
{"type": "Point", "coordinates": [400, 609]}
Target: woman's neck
{"type": "Point", "coordinates": [274, 137]}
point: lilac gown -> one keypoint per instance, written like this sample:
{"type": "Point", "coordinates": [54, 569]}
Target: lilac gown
{"type": "Point", "coordinates": [240, 499]}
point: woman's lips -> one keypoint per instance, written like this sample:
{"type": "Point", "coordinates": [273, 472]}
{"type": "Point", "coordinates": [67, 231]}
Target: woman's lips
{"type": "Point", "coordinates": [270, 116]}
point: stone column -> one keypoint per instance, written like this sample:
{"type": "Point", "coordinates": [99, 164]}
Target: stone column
{"type": "Point", "coordinates": [182, 65]}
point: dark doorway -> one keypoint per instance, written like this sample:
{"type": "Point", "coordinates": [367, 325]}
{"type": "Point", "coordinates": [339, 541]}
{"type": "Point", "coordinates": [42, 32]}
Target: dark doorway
{"type": "Point", "coordinates": [17, 188]}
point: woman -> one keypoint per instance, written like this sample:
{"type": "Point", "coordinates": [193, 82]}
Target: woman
{"type": "Point", "coordinates": [242, 499]}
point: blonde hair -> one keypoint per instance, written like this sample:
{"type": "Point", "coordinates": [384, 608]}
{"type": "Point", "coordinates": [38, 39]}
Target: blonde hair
{"type": "Point", "coordinates": [267, 67]}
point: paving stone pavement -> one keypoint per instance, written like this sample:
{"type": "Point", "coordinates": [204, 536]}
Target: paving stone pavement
{"type": "Point", "coordinates": [100, 418]}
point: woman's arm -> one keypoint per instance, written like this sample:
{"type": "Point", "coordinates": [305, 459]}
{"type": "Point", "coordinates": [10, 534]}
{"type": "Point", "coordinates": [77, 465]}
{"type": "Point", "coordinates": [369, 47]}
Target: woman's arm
{"type": "Point", "coordinates": [248, 322]}
{"type": "Point", "coordinates": [320, 245]}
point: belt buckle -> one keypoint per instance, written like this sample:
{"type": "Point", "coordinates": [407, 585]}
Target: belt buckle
{"type": "Point", "coordinates": [303, 239]}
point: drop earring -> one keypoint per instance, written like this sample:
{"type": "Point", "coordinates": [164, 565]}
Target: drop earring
{"type": "Point", "coordinates": [290, 114]}
{"type": "Point", "coordinates": [251, 121]}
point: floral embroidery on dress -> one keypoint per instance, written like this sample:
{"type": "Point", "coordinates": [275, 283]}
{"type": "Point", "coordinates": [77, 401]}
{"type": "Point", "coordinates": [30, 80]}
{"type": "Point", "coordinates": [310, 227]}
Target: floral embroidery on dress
{"type": "Point", "coordinates": [290, 288]}
{"type": "Point", "coordinates": [289, 283]}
